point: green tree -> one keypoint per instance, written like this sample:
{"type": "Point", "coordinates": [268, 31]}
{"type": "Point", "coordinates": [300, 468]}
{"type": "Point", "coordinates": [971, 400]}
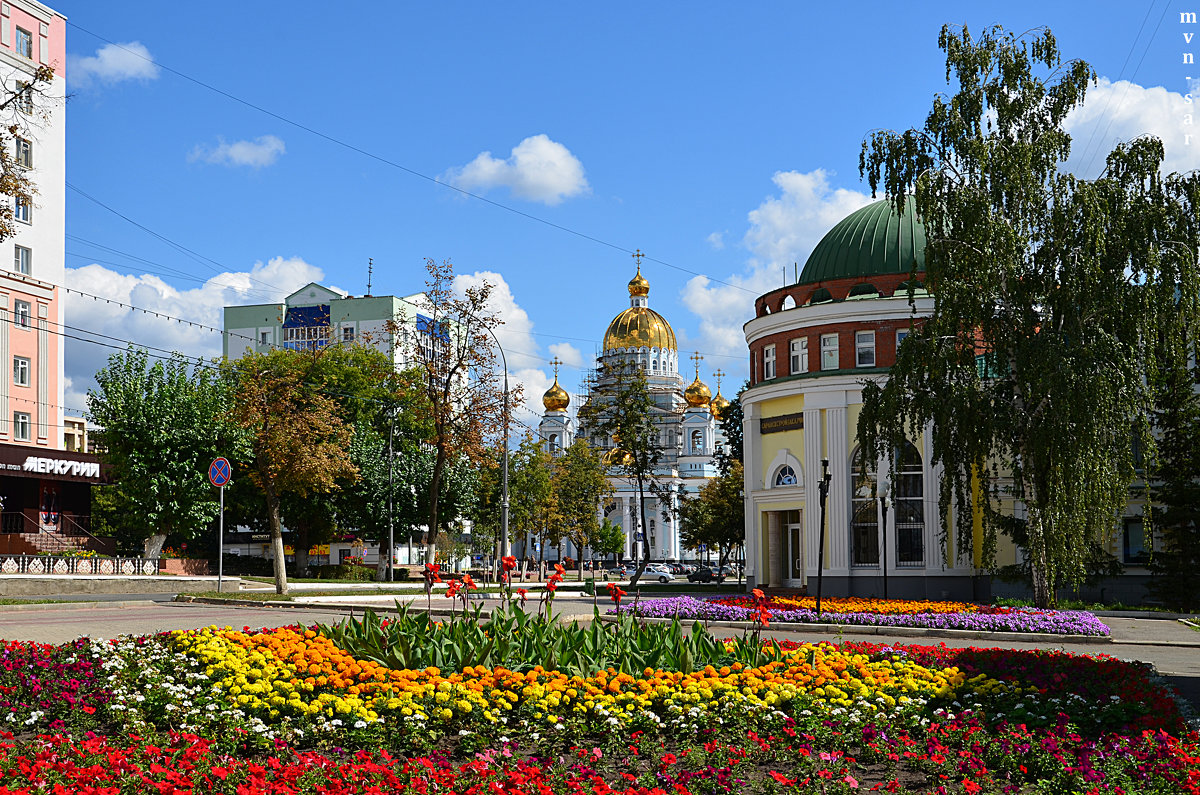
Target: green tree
{"type": "Point", "coordinates": [1047, 290]}
{"type": "Point", "coordinates": [579, 484]}
{"type": "Point", "coordinates": [465, 401]}
{"type": "Point", "coordinates": [1176, 514]}
{"type": "Point", "coordinates": [160, 426]}
{"type": "Point", "coordinates": [609, 539]}
{"type": "Point", "coordinates": [731, 426]}
{"type": "Point", "coordinates": [716, 517]}
{"type": "Point", "coordinates": [530, 496]}
{"type": "Point", "coordinates": [621, 408]}
{"type": "Point", "coordinates": [297, 440]}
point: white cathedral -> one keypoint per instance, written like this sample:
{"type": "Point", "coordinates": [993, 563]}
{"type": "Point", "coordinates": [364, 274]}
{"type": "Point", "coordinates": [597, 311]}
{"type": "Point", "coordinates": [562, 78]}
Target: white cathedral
{"type": "Point", "coordinates": [687, 428]}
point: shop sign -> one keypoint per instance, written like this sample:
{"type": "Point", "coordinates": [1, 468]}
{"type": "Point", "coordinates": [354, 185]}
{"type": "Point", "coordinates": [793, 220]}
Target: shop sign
{"type": "Point", "coordinates": [15, 460]}
{"type": "Point", "coordinates": [62, 466]}
{"type": "Point", "coordinates": [784, 422]}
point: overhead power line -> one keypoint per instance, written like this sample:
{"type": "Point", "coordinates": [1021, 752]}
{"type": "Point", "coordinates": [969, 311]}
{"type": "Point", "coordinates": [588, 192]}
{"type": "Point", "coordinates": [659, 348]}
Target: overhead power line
{"type": "Point", "coordinates": [397, 165]}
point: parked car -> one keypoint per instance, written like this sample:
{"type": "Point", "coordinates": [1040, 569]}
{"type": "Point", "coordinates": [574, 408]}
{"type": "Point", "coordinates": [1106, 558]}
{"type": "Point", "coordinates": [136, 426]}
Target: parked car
{"type": "Point", "coordinates": [650, 574]}
{"type": "Point", "coordinates": [706, 574]}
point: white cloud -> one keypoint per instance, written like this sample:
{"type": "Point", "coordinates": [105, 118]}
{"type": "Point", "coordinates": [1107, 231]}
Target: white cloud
{"type": "Point", "coordinates": [264, 283]}
{"type": "Point", "coordinates": [783, 230]}
{"type": "Point", "coordinates": [539, 170]}
{"type": "Point", "coordinates": [527, 364]}
{"type": "Point", "coordinates": [112, 63]}
{"type": "Point", "coordinates": [567, 353]}
{"type": "Point", "coordinates": [262, 151]}
{"type": "Point", "coordinates": [716, 240]}
{"type": "Point", "coordinates": [1122, 111]}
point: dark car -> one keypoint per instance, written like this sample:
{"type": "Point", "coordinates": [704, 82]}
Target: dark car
{"type": "Point", "coordinates": [706, 574]}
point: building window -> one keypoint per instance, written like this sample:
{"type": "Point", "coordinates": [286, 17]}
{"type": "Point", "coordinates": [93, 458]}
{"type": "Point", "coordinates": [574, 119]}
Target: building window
{"type": "Point", "coordinates": [864, 348]}
{"type": "Point", "coordinates": [24, 97]}
{"type": "Point", "coordinates": [347, 334]}
{"type": "Point", "coordinates": [21, 426]}
{"type": "Point", "coordinates": [20, 371]}
{"type": "Point", "coordinates": [909, 509]}
{"type": "Point", "coordinates": [554, 442]}
{"type": "Point", "coordinates": [829, 351]}
{"type": "Point", "coordinates": [768, 362]}
{"type": "Point", "coordinates": [24, 43]}
{"type": "Point", "coordinates": [799, 351]}
{"type": "Point", "coordinates": [1134, 542]}
{"type": "Point", "coordinates": [22, 311]}
{"type": "Point", "coordinates": [264, 338]}
{"type": "Point", "coordinates": [864, 516]}
{"type": "Point", "coordinates": [23, 260]}
{"type": "Point", "coordinates": [697, 442]}
{"type": "Point", "coordinates": [786, 476]}
{"type": "Point", "coordinates": [900, 335]}
{"type": "Point", "coordinates": [23, 210]}
{"type": "Point", "coordinates": [24, 153]}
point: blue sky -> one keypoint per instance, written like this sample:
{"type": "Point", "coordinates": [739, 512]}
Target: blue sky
{"type": "Point", "coordinates": [720, 139]}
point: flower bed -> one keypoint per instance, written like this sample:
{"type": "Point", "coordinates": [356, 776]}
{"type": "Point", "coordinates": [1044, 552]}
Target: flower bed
{"type": "Point", "coordinates": [878, 613]}
{"type": "Point", "coordinates": [289, 710]}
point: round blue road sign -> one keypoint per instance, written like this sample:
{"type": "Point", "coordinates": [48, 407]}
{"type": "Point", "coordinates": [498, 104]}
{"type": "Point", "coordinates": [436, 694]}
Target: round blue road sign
{"type": "Point", "coordinates": [219, 472]}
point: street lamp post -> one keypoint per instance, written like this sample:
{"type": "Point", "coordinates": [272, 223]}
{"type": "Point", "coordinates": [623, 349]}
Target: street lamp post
{"type": "Point", "coordinates": [391, 498]}
{"type": "Point", "coordinates": [885, 502]}
{"type": "Point", "coordinates": [823, 487]}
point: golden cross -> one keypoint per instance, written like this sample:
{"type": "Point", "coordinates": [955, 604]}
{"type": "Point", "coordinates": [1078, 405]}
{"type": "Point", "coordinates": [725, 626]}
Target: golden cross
{"type": "Point", "coordinates": [718, 375]}
{"type": "Point", "coordinates": [697, 358]}
{"type": "Point", "coordinates": [555, 363]}
{"type": "Point", "coordinates": [637, 257]}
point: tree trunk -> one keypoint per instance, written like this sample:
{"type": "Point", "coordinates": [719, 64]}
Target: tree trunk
{"type": "Point", "coordinates": [385, 558]}
{"type": "Point", "coordinates": [276, 526]}
{"type": "Point", "coordinates": [152, 546]}
{"type": "Point", "coordinates": [430, 553]}
{"type": "Point", "coordinates": [1043, 585]}
{"type": "Point", "coordinates": [435, 488]}
{"type": "Point", "coordinates": [300, 550]}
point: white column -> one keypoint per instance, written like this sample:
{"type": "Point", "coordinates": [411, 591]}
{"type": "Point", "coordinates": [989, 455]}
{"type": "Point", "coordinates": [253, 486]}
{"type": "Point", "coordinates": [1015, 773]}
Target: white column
{"type": "Point", "coordinates": [753, 482]}
{"type": "Point", "coordinates": [812, 490]}
{"type": "Point", "coordinates": [837, 507]}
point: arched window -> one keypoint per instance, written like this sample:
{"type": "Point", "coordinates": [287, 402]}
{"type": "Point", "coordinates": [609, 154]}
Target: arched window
{"type": "Point", "coordinates": [910, 508]}
{"type": "Point", "coordinates": [786, 476]}
{"type": "Point", "coordinates": [697, 442]}
{"type": "Point", "coordinates": [821, 296]}
{"type": "Point", "coordinates": [788, 303]}
{"type": "Point", "coordinates": [864, 516]}
{"type": "Point", "coordinates": [554, 442]}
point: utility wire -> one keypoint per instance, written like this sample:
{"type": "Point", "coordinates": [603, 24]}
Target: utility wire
{"type": "Point", "coordinates": [399, 166]}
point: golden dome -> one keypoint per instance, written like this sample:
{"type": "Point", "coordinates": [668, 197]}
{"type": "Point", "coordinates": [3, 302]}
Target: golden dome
{"type": "Point", "coordinates": [718, 405]}
{"type": "Point", "coordinates": [638, 284]}
{"type": "Point", "coordinates": [617, 457]}
{"type": "Point", "coordinates": [556, 398]}
{"type": "Point", "coordinates": [639, 327]}
{"type": "Point", "coordinates": [697, 394]}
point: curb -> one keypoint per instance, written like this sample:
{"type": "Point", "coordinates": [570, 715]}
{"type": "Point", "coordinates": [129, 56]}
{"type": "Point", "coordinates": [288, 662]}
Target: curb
{"type": "Point", "coordinates": [1143, 614]}
{"type": "Point", "coordinates": [332, 608]}
{"type": "Point", "coordinates": [911, 632]}
{"type": "Point", "coordinates": [75, 605]}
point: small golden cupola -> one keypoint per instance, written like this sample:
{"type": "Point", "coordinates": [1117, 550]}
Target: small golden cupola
{"type": "Point", "coordinates": [697, 394]}
{"type": "Point", "coordinates": [718, 404]}
{"type": "Point", "coordinates": [556, 398]}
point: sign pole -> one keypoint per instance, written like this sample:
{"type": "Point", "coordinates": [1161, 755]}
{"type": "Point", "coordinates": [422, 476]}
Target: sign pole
{"type": "Point", "coordinates": [219, 473]}
{"type": "Point", "coordinates": [221, 542]}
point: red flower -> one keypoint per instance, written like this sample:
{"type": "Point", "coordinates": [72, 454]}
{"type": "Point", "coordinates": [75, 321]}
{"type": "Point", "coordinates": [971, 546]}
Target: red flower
{"type": "Point", "coordinates": [509, 562]}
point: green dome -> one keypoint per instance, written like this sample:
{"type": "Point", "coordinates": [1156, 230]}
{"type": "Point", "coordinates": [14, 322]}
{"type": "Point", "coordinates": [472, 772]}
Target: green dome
{"type": "Point", "coordinates": [869, 242]}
